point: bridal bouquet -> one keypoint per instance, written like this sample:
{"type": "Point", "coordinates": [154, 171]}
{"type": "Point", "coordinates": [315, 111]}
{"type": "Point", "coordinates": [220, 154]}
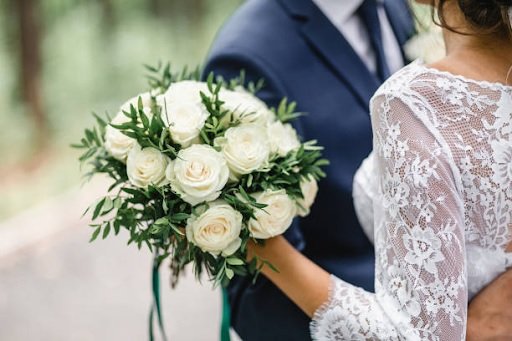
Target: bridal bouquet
{"type": "Point", "coordinates": [198, 169]}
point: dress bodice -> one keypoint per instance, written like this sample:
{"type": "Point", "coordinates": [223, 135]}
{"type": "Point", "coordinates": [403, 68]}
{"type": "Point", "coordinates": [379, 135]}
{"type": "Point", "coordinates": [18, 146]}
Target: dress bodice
{"type": "Point", "coordinates": [435, 196]}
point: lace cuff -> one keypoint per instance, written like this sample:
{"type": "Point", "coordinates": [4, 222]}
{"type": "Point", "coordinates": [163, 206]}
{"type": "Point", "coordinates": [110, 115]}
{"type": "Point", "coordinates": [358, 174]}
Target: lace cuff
{"type": "Point", "coordinates": [351, 313]}
{"type": "Point", "coordinates": [319, 320]}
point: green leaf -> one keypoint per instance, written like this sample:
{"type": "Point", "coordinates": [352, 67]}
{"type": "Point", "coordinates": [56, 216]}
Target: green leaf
{"type": "Point", "coordinates": [178, 217]}
{"type": "Point", "coordinates": [161, 221]}
{"type": "Point", "coordinates": [98, 208]}
{"type": "Point", "coordinates": [229, 273]}
{"type": "Point", "coordinates": [177, 230]}
{"type": "Point", "coordinates": [95, 234]}
{"type": "Point", "coordinates": [235, 261]}
{"type": "Point", "coordinates": [271, 266]}
{"type": "Point", "coordinates": [77, 146]}
{"type": "Point", "coordinates": [240, 271]}
{"type": "Point", "coordinates": [117, 227]}
{"type": "Point", "coordinates": [106, 230]}
{"type": "Point", "coordinates": [107, 205]}
{"type": "Point", "coordinates": [210, 81]}
{"type": "Point", "coordinates": [118, 202]}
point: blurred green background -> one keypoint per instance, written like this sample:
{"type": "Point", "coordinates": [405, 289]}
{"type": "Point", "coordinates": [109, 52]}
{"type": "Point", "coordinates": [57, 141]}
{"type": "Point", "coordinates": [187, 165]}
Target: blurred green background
{"type": "Point", "coordinates": [62, 59]}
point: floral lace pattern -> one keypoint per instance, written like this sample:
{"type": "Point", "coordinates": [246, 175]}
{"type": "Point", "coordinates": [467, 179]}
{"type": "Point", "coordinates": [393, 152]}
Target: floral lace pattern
{"type": "Point", "coordinates": [439, 208]}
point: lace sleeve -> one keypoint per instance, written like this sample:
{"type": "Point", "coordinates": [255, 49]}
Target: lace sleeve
{"type": "Point", "coordinates": [420, 285]}
{"type": "Point", "coordinates": [363, 193]}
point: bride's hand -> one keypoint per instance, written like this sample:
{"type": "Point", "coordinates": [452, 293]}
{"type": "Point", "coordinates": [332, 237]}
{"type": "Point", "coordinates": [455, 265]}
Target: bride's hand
{"type": "Point", "coordinates": [264, 250]}
{"type": "Point", "coordinates": [300, 279]}
{"type": "Point", "coordinates": [489, 313]}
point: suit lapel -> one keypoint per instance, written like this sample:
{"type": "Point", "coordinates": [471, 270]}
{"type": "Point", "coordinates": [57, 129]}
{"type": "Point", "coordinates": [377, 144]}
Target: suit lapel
{"type": "Point", "coordinates": [333, 48]}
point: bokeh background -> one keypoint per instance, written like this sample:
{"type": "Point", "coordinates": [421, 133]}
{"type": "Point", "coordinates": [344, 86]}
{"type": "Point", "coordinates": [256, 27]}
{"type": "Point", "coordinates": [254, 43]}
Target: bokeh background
{"type": "Point", "coordinates": [62, 59]}
{"type": "Point", "coordinates": [59, 61]}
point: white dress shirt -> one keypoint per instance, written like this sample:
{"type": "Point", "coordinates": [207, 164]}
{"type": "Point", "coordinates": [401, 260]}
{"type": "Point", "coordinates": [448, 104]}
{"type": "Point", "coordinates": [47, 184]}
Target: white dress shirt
{"type": "Point", "coordinates": [343, 15]}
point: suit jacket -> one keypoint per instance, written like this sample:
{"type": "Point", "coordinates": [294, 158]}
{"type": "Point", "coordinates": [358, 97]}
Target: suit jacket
{"type": "Point", "coordinates": [302, 56]}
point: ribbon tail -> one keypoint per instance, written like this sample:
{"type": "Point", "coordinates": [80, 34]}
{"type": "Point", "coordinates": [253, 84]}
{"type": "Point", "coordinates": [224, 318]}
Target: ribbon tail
{"type": "Point", "coordinates": [226, 317]}
{"type": "Point", "coordinates": [151, 332]}
{"type": "Point", "coordinates": [156, 306]}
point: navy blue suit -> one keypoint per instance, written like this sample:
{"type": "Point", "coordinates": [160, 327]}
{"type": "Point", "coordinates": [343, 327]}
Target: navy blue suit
{"type": "Point", "coordinates": [302, 56]}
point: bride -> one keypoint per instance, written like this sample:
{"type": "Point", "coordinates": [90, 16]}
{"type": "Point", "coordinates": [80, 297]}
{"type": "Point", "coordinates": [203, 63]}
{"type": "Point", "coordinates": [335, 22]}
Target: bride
{"type": "Point", "coordinates": [435, 194]}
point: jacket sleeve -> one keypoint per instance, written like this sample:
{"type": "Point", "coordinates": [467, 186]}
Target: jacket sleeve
{"type": "Point", "coordinates": [228, 64]}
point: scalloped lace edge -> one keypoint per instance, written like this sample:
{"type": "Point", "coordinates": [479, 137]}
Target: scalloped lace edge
{"type": "Point", "coordinates": [314, 325]}
{"type": "Point", "coordinates": [482, 83]}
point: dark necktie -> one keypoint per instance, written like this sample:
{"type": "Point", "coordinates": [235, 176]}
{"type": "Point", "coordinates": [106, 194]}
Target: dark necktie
{"type": "Point", "coordinates": [370, 16]}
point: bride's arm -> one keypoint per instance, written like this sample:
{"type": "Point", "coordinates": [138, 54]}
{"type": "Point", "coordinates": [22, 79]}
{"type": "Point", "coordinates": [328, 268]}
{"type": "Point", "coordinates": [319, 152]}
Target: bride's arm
{"type": "Point", "coordinates": [421, 291]}
{"type": "Point", "coordinates": [304, 282]}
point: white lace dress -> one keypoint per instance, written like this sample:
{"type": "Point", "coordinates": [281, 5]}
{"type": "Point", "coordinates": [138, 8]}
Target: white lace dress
{"type": "Point", "coordinates": [436, 197]}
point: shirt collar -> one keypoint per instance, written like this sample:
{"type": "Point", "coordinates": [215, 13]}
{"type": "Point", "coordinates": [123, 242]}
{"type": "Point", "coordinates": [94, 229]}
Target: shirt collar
{"type": "Point", "coordinates": [342, 10]}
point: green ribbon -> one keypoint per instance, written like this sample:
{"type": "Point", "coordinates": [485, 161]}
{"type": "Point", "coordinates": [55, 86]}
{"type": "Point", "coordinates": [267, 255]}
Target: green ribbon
{"type": "Point", "coordinates": [155, 307]}
{"type": "Point", "coordinates": [226, 317]}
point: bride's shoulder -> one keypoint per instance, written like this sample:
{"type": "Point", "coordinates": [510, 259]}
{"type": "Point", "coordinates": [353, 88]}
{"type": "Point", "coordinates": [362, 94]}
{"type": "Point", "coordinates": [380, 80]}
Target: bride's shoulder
{"type": "Point", "coordinates": [409, 81]}
{"type": "Point", "coordinates": [440, 80]}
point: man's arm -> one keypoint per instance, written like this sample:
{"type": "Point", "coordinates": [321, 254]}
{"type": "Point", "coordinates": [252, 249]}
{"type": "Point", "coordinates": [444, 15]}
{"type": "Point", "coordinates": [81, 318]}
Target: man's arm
{"type": "Point", "coordinates": [490, 312]}
{"type": "Point", "coordinates": [229, 64]}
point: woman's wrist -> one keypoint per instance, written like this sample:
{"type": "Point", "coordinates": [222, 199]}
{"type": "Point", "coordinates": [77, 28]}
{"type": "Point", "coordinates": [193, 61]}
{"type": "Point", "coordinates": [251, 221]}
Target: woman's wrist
{"type": "Point", "coordinates": [300, 279]}
{"type": "Point", "coordinates": [267, 251]}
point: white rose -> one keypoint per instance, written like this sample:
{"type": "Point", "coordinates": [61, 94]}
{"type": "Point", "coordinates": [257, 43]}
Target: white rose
{"type": "Point", "coordinates": [283, 138]}
{"type": "Point", "coordinates": [146, 167]}
{"type": "Point", "coordinates": [274, 219]}
{"type": "Point", "coordinates": [146, 102]}
{"type": "Point", "coordinates": [428, 46]}
{"type": "Point", "coordinates": [184, 112]}
{"type": "Point", "coordinates": [184, 91]}
{"type": "Point", "coordinates": [116, 143]}
{"type": "Point", "coordinates": [198, 174]}
{"type": "Point", "coordinates": [185, 121]}
{"type": "Point", "coordinates": [217, 230]}
{"type": "Point", "coordinates": [245, 107]}
{"type": "Point", "coordinates": [245, 148]}
{"type": "Point", "coordinates": [309, 190]}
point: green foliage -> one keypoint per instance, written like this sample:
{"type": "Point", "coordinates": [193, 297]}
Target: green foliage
{"type": "Point", "coordinates": [213, 126]}
{"type": "Point", "coordinates": [156, 217]}
{"type": "Point", "coordinates": [240, 81]}
{"type": "Point", "coordinates": [286, 112]}
{"type": "Point", "coordinates": [288, 172]}
{"type": "Point", "coordinates": [160, 77]}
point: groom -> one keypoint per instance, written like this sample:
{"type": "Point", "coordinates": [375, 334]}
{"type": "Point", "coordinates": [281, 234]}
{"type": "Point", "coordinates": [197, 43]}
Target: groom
{"type": "Point", "coordinates": [330, 56]}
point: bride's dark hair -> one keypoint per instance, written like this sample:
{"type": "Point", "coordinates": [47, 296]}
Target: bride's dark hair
{"type": "Point", "coordinates": [486, 16]}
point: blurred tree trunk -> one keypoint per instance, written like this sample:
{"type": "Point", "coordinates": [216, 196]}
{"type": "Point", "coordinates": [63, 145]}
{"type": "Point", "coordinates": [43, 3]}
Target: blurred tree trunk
{"type": "Point", "coordinates": [108, 13]}
{"type": "Point", "coordinates": [193, 9]}
{"type": "Point", "coordinates": [196, 8]}
{"type": "Point", "coordinates": [156, 7]}
{"type": "Point", "coordinates": [30, 65]}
